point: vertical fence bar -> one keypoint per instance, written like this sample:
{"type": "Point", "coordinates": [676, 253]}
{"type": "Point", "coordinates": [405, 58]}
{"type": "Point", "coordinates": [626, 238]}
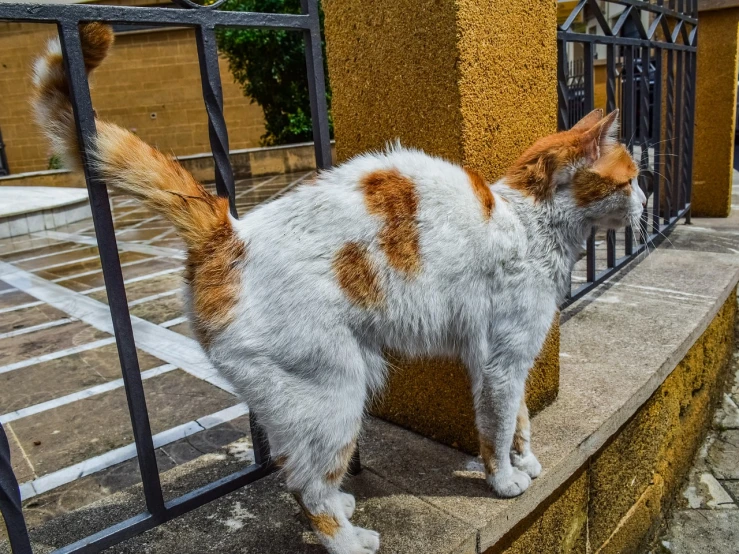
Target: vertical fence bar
{"type": "Point", "coordinates": [4, 169]}
{"type": "Point", "coordinates": [10, 502]}
{"type": "Point", "coordinates": [317, 84]}
{"type": "Point", "coordinates": [670, 136]}
{"type": "Point", "coordinates": [210, 77]}
{"type": "Point", "coordinates": [693, 56]}
{"type": "Point", "coordinates": [563, 117]}
{"type": "Point", "coordinates": [644, 134]}
{"type": "Point", "coordinates": [588, 105]}
{"type": "Point", "coordinates": [85, 122]}
{"type": "Point", "coordinates": [610, 106]}
{"type": "Point", "coordinates": [657, 141]}
{"type": "Point", "coordinates": [679, 99]}
{"type": "Point", "coordinates": [629, 117]}
{"type": "Point", "coordinates": [259, 440]}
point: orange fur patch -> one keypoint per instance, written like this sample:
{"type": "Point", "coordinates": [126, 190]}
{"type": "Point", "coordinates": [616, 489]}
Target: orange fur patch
{"type": "Point", "coordinates": [357, 275]}
{"type": "Point", "coordinates": [342, 463]}
{"type": "Point", "coordinates": [522, 425]}
{"type": "Point", "coordinates": [393, 197]}
{"type": "Point", "coordinates": [482, 191]}
{"type": "Point", "coordinates": [213, 271]}
{"type": "Point", "coordinates": [325, 524]}
{"type": "Point", "coordinates": [532, 173]}
{"type": "Point", "coordinates": [487, 452]}
{"type": "Point", "coordinates": [96, 41]}
{"type": "Point", "coordinates": [611, 174]}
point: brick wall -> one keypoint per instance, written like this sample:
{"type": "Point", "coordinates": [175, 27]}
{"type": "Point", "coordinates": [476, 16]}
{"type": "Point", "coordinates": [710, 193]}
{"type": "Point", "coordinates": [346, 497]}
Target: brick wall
{"type": "Point", "coordinates": [149, 84]}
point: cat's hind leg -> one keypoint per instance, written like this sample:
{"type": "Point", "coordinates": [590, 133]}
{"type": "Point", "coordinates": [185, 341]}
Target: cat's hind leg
{"type": "Point", "coordinates": [314, 437]}
{"type": "Point", "coordinates": [521, 455]}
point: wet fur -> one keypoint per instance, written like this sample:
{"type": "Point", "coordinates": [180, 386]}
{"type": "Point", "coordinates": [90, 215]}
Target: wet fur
{"type": "Point", "coordinates": [295, 302]}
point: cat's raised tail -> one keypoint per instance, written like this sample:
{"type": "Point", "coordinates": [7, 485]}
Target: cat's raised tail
{"type": "Point", "coordinates": [123, 160]}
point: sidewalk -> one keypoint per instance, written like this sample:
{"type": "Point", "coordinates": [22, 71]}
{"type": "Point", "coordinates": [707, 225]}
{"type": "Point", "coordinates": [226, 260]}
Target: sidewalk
{"type": "Point", "coordinates": [706, 518]}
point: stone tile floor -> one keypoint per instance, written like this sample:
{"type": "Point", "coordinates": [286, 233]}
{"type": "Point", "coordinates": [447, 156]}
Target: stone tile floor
{"type": "Point", "coordinates": [62, 401]}
{"type": "Point", "coordinates": [707, 516]}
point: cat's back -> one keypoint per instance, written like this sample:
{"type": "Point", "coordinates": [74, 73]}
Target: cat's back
{"type": "Point", "coordinates": [402, 209]}
{"type": "Point", "coordinates": [363, 193]}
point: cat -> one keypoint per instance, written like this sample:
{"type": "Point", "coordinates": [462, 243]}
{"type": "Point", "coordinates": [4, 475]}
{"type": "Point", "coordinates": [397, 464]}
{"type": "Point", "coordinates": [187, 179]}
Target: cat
{"type": "Point", "coordinates": [397, 249]}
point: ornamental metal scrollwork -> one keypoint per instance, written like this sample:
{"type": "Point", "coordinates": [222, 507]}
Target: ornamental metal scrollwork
{"type": "Point", "coordinates": [194, 5]}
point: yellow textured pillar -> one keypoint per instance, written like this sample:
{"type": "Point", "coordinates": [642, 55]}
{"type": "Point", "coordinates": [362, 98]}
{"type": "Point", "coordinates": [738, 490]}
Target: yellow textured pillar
{"type": "Point", "coordinates": [473, 81]}
{"type": "Point", "coordinates": [715, 111]}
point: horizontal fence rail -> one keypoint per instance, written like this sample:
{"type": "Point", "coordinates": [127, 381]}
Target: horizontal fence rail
{"type": "Point", "coordinates": [204, 20]}
{"type": "Point", "coordinates": [639, 57]}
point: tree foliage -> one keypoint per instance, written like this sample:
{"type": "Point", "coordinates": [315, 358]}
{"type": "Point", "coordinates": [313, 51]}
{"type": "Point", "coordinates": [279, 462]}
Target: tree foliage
{"type": "Point", "coordinates": [270, 67]}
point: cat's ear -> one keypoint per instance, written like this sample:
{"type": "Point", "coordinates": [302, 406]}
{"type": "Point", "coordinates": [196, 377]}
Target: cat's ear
{"type": "Point", "coordinates": [587, 122]}
{"type": "Point", "coordinates": [600, 136]}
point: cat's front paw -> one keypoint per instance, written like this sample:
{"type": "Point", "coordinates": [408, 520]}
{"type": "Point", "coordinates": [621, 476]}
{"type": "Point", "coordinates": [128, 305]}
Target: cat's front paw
{"type": "Point", "coordinates": [368, 541]}
{"type": "Point", "coordinates": [508, 484]}
{"type": "Point", "coordinates": [528, 464]}
{"type": "Point", "coordinates": [348, 504]}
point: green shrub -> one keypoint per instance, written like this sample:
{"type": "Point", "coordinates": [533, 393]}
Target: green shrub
{"type": "Point", "coordinates": [270, 67]}
{"type": "Point", "coordinates": [55, 162]}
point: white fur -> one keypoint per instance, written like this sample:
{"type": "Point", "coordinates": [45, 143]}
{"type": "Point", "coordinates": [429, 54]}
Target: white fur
{"type": "Point", "coordinates": [306, 359]}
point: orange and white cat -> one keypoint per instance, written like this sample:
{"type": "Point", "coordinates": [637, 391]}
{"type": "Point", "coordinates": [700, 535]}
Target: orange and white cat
{"type": "Point", "coordinates": [295, 302]}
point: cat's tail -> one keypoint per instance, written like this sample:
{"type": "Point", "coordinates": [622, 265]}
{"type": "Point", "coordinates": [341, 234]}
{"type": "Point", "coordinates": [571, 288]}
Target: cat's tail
{"type": "Point", "coordinates": [123, 160]}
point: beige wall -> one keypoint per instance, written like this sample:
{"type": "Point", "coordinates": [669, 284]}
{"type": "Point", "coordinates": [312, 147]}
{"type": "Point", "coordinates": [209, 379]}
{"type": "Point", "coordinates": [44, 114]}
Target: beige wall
{"type": "Point", "coordinates": [153, 72]}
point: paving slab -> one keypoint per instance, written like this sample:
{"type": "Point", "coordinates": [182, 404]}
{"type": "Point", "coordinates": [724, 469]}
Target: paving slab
{"type": "Point", "coordinates": [13, 298]}
{"type": "Point", "coordinates": [55, 378]}
{"type": "Point", "coordinates": [24, 247]}
{"type": "Point", "coordinates": [84, 263]}
{"type": "Point", "coordinates": [703, 531]}
{"type": "Point", "coordinates": [723, 456]}
{"type": "Point", "coordinates": [37, 343]}
{"type": "Point", "coordinates": [160, 310]}
{"type": "Point", "coordinates": [148, 287]}
{"type": "Point", "coordinates": [63, 257]}
{"type": "Point", "coordinates": [183, 329]}
{"type": "Point", "coordinates": [29, 317]}
{"type": "Point", "coordinates": [87, 282]}
{"type": "Point", "coordinates": [66, 435]}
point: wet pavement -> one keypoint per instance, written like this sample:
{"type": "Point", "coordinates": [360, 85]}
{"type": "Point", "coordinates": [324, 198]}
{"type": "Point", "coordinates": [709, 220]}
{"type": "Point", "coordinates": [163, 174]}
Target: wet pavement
{"type": "Point", "coordinates": [62, 401]}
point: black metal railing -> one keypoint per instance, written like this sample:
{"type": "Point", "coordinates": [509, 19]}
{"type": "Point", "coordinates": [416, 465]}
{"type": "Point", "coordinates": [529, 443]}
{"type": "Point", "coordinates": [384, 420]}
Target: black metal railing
{"type": "Point", "coordinates": [650, 61]}
{"type": "Point", "coordinates": [204, 20]}
{"type": "Point", "coordinates": [3, 158]}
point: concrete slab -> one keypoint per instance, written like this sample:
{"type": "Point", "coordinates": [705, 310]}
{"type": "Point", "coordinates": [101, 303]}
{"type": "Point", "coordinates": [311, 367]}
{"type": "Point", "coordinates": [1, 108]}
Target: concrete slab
{"type": "Point", "coordinates": [702, 531]}
{"type": "Point", "coordinates": [32, 345]}
{"type": "Point", "coordinates": [25, 210]}
{"type": "Point", "coordinates": [75, 432]}
{"type": "Point", "coordinates": [51, 379]}
{"type": "Point", "coordinates": [23, 200]}
{"type": "Point", "coordinates": [723, 455]}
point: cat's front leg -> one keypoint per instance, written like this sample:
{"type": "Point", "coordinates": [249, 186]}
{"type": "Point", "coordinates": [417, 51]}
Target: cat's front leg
{"type": "Point", "coordinates": [496, 404]}
{"type": "Point", "coordinates": [521, 455]}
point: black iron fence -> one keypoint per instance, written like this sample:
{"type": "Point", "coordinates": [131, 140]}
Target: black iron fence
{"type": "Point", "coordinates": [204, 20]}
{"type": "Point", "coordinates": [649, 74]}
{"type": "Point", "coordinates": [3, 158]}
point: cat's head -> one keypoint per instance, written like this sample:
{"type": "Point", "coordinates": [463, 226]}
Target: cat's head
{"type": "Point", "coordinates": [585, 168]}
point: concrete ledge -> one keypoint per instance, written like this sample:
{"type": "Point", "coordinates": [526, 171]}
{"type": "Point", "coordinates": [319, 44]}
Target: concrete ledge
{"type": "Point", "coordinates": [25, 210]}
{"type": "Point", "coordinates": [248, 162]}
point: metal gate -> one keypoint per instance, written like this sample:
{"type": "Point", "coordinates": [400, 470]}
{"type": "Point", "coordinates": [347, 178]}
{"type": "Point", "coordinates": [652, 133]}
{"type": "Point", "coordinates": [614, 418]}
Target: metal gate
{"type": "Point", "coordinates": [3, 158]}
{"type": "Point", "coordinates": [650, 61]}
{"type": "Point", "coordinates": [204, 20]}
